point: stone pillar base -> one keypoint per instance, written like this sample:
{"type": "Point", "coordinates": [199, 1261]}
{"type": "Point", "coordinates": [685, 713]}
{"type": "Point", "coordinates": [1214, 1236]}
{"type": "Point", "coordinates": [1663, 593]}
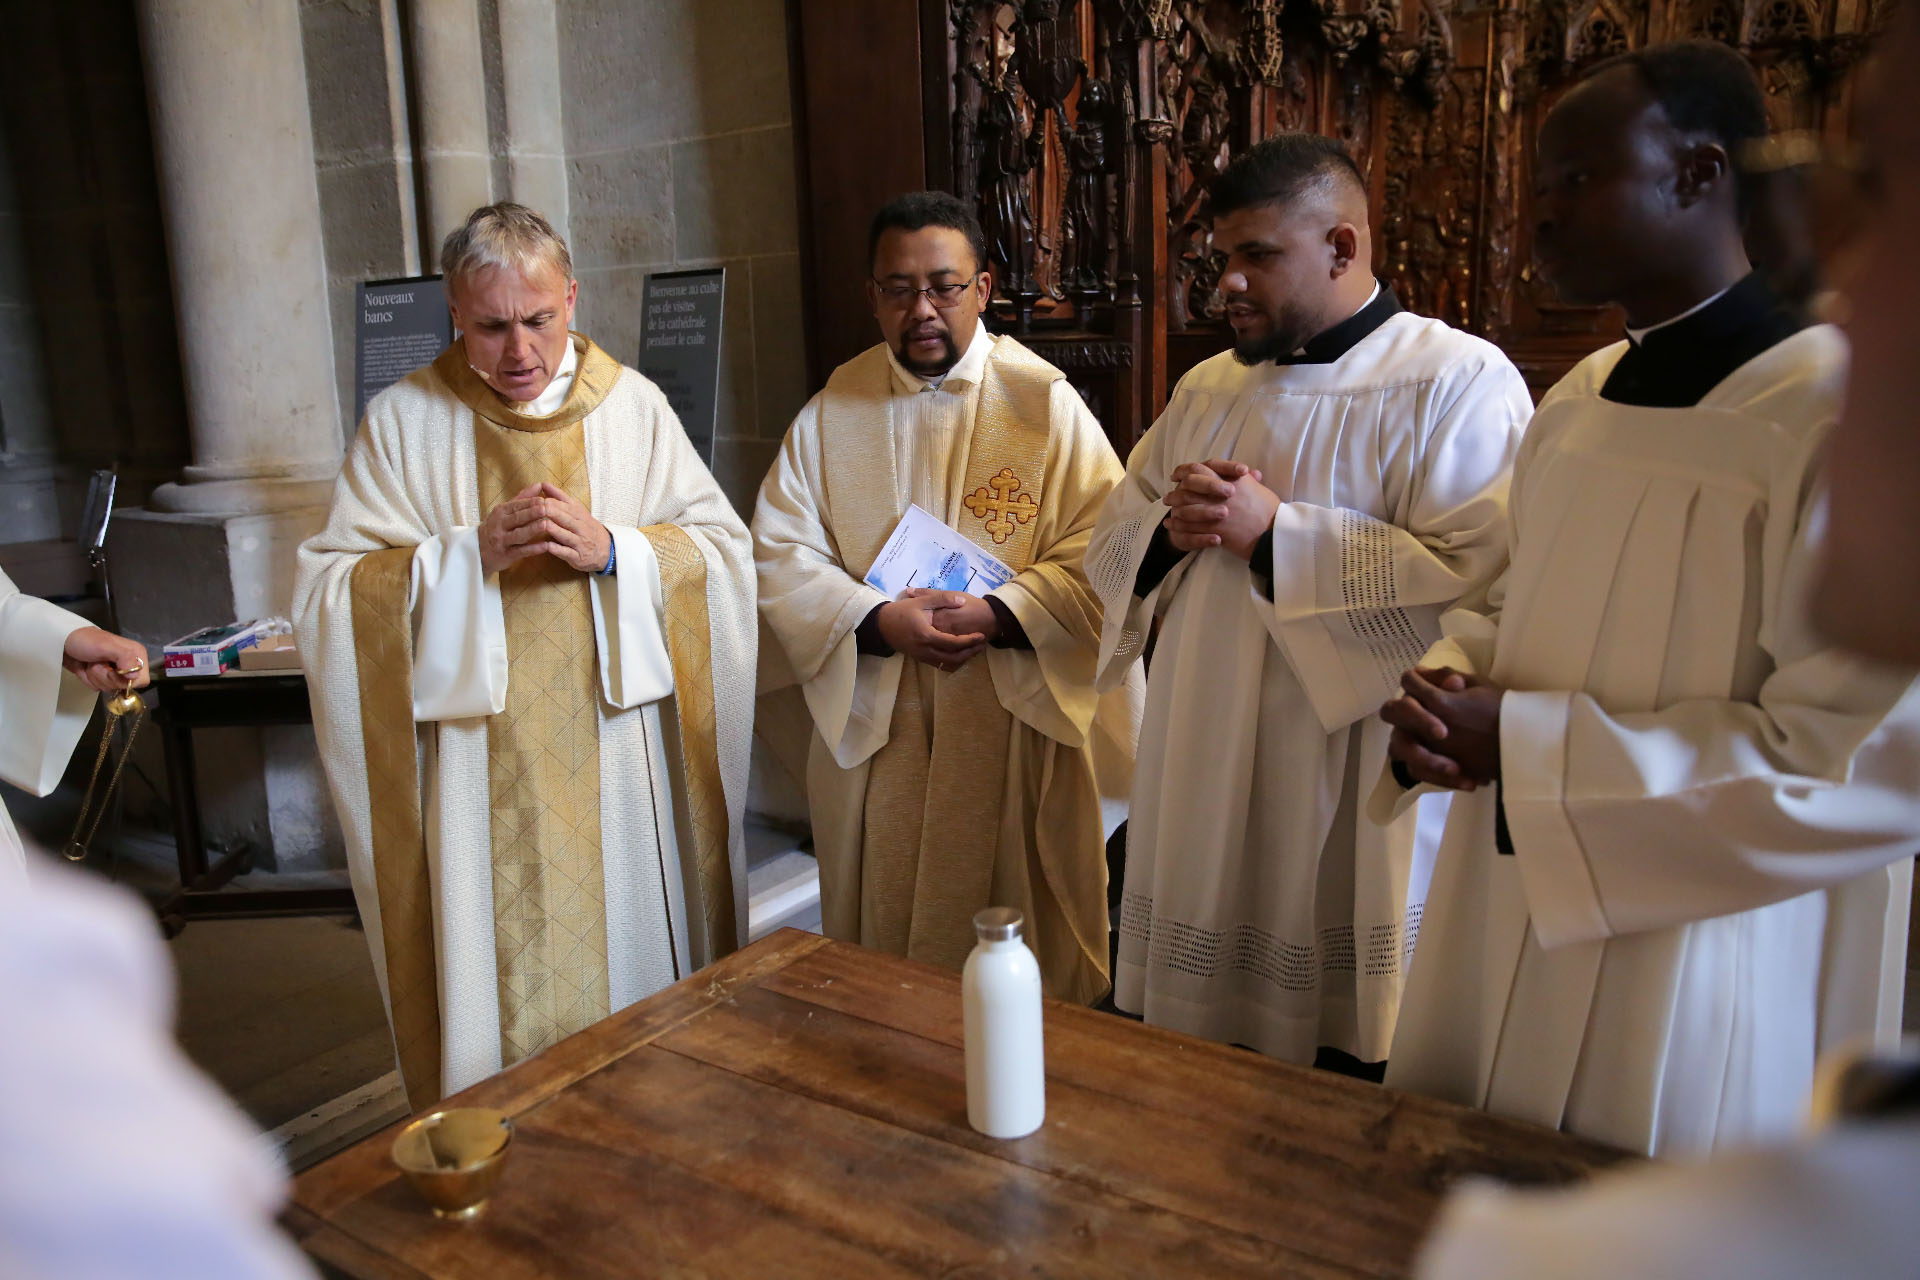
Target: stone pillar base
{"type": "Point", "coordinates": [250, 496]}
{"type": "Point", "coordinates": [175, 572]}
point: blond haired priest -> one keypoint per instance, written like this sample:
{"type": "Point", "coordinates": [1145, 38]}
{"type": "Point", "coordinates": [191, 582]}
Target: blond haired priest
{"type": "Point", "coordinates": [960, 756]}
{"type": "Point", "coordinates": [529, 633]}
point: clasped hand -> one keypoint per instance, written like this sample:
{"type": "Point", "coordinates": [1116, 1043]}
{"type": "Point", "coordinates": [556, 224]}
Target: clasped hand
{"type": "Point", "coordinates": [941, 628]}
{"type": "Point", "coordinates": [1219, 503]}
{"type": "Point", "coordinates": [543, 520]}
{"type": "Point", "coordinates": [1446, 728]}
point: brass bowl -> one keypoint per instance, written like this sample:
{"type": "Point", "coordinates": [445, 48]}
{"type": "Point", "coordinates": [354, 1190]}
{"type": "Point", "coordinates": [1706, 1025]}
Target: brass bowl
{"type": "Point", "coordinates": [454, 1157]}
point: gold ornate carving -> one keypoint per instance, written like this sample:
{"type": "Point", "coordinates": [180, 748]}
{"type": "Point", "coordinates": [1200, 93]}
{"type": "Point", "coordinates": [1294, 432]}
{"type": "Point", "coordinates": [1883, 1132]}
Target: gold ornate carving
{"type": "Point", "coordinates": [1112, 118]}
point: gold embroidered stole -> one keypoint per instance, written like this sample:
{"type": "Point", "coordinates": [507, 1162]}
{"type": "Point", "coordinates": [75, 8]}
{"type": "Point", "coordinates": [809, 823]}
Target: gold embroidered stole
{"type": "Point", "coordinates": [543, 767]}
{"type": "Point", "coordinates": [383, 654]}
{"type": "Point", "coordinates": [543, 750]}
{"type": "Point", "coordinates": [687, 626]}
{"type": "Point", "coordinates": [933, 805]}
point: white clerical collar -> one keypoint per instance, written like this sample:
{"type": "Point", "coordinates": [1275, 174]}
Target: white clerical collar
{"type": "Point", "coordinates": [548, 402]}
{"type": "Point", "coordinates": [1639, 336]}
{"type": "Point", "coordinates": [1356, 311]}
{"type": "Point", "coordinates": [962, 378]}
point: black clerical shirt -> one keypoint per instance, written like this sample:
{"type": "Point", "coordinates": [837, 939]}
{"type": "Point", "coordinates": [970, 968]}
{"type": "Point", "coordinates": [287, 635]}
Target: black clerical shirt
{"type": "Point", "coordinates": [1324, 348]}
{"type": "Point", "coordinates": [1675, 366]}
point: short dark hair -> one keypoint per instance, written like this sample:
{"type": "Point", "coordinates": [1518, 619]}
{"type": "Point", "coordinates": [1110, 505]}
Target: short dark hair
{"type": "Point", "coordinates": [1705, 87]}
{"type": "Point", "coordinates": [918, 210]}
{"type": "Point", "coordinates": [1280, 168]}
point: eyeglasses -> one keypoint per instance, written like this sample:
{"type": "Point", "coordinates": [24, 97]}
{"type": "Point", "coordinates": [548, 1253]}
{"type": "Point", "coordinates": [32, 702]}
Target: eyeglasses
{"type": "Point", "coordinates": [943, 296]}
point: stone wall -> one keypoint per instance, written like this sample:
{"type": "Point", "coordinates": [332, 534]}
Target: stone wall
{"type": "Point", "coordinates": [89, 350]}
{"type": "Point", "coordinates": [680, 154]}
{"type": "Point", "coordinates": [364, 160]}
{"type": "Point", "coordinates": [27, 508]}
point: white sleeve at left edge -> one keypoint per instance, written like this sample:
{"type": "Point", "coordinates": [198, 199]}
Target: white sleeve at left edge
{"type": "Point", "coordinates": [627, 607]}
{"type": "Point", "coordinates": [43, 708]}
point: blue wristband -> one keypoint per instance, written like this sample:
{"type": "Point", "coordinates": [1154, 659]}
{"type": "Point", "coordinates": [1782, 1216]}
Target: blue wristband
{"type": "Point", "coordinates": [608, 571]}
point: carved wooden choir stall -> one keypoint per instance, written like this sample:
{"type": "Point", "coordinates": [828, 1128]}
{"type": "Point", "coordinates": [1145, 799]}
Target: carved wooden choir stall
{"type": "Point", "coordinates": [1086, 134]}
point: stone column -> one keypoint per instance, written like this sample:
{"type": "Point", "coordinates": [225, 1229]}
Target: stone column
{"type": "Point", "coordinates": [234, 148]}
{"type": "Point", "coordinates": [536, 142]}
{"type": "Point", "coordinates": [450, 97]}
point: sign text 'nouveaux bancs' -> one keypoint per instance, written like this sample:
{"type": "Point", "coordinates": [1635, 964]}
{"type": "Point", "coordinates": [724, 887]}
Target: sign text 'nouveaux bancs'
{"type": "Point", "coordinates": [402, 324]}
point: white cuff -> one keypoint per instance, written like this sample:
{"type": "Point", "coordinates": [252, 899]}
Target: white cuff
{"type": "Point", "coordinates": [36, 633]}
{"type": "Point", "coordinates": [635, 668]}
{"type": "Point", "coordinates": [1561, 897]}
{"type": "Point", "coordinates": [852, 699]}
{"type": "Point", "coordinates": [1051, 688]}
{"type": "Point", "coordinates": [460, 631]}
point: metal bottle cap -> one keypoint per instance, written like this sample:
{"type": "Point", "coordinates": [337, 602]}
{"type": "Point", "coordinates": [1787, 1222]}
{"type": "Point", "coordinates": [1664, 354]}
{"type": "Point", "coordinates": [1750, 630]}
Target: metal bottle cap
{"type": "Point", "coordinates": [998, 924]}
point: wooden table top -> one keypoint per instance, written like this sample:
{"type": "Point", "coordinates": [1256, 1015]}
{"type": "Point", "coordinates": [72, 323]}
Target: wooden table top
{"type": "Point", "coordinates": [799, 1109]}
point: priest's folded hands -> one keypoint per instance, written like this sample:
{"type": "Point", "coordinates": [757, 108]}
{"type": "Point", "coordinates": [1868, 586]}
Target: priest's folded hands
{"type": "Point", "coordinates": [543, 519]}
{"type": "Point", "coordinates": [943, 629]}
{"type": "Point", "coordinates": [1446, 728]}
{"type": "Point", "coordinates": [1219, 503]}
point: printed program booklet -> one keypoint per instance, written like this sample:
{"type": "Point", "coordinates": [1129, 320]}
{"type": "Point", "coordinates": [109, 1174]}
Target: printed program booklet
{"type": "Point", "coordinates": [927, 552]}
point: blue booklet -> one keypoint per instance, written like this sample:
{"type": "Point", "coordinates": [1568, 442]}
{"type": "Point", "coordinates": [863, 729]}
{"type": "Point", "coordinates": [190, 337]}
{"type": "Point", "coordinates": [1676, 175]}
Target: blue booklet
{"type": "Point", "coordinates": [927, 552]}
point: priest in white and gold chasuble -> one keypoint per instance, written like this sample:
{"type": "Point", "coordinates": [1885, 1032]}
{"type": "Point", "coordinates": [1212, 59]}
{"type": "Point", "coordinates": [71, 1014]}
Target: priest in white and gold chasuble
{"type": "Point", "coordinates": [939, 787]}
{"type": "Point", "coordinates": [540, 769]}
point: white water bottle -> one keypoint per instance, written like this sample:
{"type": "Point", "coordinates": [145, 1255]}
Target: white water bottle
{"type": "Point", "coordinates": [1000, 1001]}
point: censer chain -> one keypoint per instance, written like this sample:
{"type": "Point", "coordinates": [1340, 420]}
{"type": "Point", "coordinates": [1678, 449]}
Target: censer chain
{"type": "Point", "coordinates": [119, 707]}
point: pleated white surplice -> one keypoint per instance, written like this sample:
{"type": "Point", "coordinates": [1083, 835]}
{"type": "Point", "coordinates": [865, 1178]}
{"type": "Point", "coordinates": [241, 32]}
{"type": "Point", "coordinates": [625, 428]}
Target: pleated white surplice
{"type": "Point", "coordinates": [1260, 906]}
{"type": "Point", "coordinates": [1713, 813]}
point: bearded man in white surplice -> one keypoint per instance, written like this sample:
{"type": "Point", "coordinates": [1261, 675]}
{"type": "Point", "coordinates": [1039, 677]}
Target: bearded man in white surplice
{"type": "Point", "coordinates": [1335, 482]}
{"type": "Point", "coordinates": [974, 774]}
{"type": "Point", "coordinates": [529, 633]}
{"type": "Point", "coordinates": [1686, 862]}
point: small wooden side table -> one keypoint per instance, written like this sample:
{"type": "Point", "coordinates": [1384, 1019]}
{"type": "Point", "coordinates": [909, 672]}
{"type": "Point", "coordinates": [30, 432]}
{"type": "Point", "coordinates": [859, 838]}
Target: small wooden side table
{"type": "Point", "coordinates": [237, 699]}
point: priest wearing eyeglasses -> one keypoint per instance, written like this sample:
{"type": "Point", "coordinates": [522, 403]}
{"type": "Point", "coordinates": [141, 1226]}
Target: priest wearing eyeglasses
{"type": "Point", "coordinates": [961, 756]}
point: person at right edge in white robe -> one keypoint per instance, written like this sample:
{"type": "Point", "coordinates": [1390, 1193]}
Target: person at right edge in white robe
{"type": "Point", "coordinates": [1336, 481]}
{"type": "Point", "coordinates": [1684, 862]}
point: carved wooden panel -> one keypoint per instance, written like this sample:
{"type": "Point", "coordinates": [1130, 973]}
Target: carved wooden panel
{"type": "Point", "coordinates": [1087, 133]}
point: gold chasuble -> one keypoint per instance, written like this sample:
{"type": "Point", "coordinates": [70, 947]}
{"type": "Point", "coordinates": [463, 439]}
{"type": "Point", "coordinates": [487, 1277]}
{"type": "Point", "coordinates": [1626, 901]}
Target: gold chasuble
{"type": "Point", "coordinates": [543, 826]}
{"type": "Point", "coordinates": [964, 804]}
{"type": "Point", "coordinates": [923, 907]}
{"type": "Point", "coordinates": [543, 763]}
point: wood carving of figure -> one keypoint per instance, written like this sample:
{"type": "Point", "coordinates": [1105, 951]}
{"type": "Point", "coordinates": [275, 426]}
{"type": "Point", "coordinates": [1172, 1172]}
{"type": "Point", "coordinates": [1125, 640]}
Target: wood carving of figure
{"type": "Point", "coordinates": [1087, 163]}
{"type": "Point", "coordinates": [1005, 160]}
{"type": "Point", "coordinates": [1455, 222]}
{"type": "Point", "coordinates": [1047, 73]}
{"type": "Point", "coordinates": [1203, 136]}
{"type": "Point", "coordinates": [1397, 240]}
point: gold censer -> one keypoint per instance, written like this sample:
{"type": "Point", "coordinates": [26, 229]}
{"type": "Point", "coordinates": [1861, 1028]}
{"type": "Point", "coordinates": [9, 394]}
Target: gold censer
{"type": "Point", "coordinates": [124, 706]}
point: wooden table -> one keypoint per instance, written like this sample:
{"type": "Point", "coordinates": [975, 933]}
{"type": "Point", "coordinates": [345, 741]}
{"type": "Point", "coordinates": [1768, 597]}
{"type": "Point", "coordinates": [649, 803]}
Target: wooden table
{"type": "Point", "coordinates": [233, 699]}
{"type": "Point", "coordinates": [799, 1109]}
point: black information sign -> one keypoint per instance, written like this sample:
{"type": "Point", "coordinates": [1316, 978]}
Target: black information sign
{"type": "Point", "coordinates": [680, 346]}
{"type": "Point", "coordinates": [403, 324]}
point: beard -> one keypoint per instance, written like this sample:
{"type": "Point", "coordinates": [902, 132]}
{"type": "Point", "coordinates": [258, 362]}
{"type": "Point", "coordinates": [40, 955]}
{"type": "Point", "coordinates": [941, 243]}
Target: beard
{"type": "Point", "coordinates": [1288, 329]}
{"type": "Point", "coordinates": [949, 356]}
